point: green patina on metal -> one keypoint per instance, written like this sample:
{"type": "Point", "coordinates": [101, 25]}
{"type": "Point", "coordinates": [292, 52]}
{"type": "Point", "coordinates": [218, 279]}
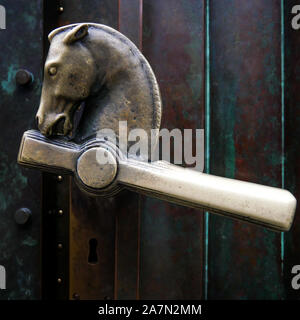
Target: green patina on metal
{"type": "Point", "coordinates": [244, 261]}
{"type": "Point", "coordinates": [194, 78]}
{"type": "Point", "coordinates": [271, 72]}
{"type": "Point", "coordinates": [10, 175]}
{"type": "Point", "coordinates": [9, 85]}
{"type": "Point", "coordinates": [207, 138]}
{"type": "Point", "coordinates": [229, 156]}
{"type": "Point", "coordinates": [272, 280]}
{"type": "Point", "coordinates": [29, 241]}
{"type": "Point", "coordinates": [227, 103]}
{"type": "Point", "coordinates": [19, 245]}
{"type": "Point", "coordinates": [30, 20]}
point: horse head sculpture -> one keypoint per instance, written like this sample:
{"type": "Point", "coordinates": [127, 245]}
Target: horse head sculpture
{"type": "Point", "coordinates": [95, 67]}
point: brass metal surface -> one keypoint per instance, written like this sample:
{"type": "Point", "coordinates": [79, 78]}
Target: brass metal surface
{"type": "Point", "coordinates": [95, 67]}
{"type": "Point", "coordinates": [267, 206]}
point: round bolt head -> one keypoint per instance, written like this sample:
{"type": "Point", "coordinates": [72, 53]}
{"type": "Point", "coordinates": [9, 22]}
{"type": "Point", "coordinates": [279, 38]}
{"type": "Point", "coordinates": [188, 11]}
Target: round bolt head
{"type": "Point", "coordinates": [60, 212]}
{"type": "Point", "coordinates": [24, 77]}
{"type": "Point", "coordinates": [59, 178]}
{"type": "Point", "coordinates": [59, 280]}
{"type": "Point", "coordinates": [76, 296]}
{"type": "Point", "coordinates": [22, 216]}
{"type": "Point", "coordinates": [97, 167]}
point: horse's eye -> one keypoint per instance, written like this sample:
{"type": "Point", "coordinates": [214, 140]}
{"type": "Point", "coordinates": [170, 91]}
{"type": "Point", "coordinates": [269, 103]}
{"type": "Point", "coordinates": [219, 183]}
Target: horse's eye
{"type": "Point", "coordinates": [52, 71]}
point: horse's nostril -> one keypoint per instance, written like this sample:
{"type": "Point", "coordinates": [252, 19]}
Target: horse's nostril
{"type": "Point", "coordinates": [58, 127]}
{"type": "Point", "coordinates": [37, 121]}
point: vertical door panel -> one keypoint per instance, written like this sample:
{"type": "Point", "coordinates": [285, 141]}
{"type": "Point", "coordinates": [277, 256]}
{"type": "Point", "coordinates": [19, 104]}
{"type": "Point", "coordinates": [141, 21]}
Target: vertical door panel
{"type": "Point", "coordinates": [92, 220]}
{"type": "Point", "coordinates": [292, 146]}
{"type": "Point", "coordinates": [171, 236]}
{"type": "Point", "coordinates": [246, 142]}
{"type": "Point", "coordinates": [21, 47]}
{"type": "Point", "coordinates": [127, 250]}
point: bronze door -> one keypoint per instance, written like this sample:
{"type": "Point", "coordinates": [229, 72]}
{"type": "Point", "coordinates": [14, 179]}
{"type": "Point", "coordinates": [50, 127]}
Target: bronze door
{"type": "Point", "coordinates": [224, 67]}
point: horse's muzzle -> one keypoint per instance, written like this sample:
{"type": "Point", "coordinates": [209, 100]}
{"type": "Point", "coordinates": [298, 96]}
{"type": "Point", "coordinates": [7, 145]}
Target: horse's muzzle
{"type": "Point", "coordinates": [53, 127]}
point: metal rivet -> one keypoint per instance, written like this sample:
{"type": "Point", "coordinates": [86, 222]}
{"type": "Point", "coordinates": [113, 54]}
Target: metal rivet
{"type": "Point", "coordinates": [60, 212]}
{"type": "Point", "coordinates": [22, 215]}
{"type": "Point", "coordinates": [59, 280]}
{"type": "Point", "coordinates": [61, 9]}
{"type": "Point", "coordinates": [24, 77]}
{"type": "Point", "coordinates": [76, 296]}
{"type": "Point", "coordinates": [60, 246]}
{"type": "Point", "coordinates": [60, 178]}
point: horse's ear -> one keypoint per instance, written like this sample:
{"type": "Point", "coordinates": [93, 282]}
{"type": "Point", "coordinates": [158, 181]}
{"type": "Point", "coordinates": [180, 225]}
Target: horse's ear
{"type": "Point", "coordinates": [77, 33]}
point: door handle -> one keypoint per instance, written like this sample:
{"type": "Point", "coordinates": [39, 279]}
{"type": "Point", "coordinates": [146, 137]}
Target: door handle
{"type": "Point", "coordinates": [124, 88]}
{"type": "Point", "coordinates": [267, 206]}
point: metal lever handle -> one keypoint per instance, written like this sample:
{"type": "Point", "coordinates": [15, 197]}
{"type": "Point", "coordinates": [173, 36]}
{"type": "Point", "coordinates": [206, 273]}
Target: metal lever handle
{"type": "Point", "coordinates": [267, 206]}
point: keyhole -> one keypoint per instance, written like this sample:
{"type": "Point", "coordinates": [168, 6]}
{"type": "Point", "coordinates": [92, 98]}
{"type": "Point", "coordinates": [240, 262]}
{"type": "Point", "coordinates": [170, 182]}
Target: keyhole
{"type": "Point", "coordinates": [93, 257]}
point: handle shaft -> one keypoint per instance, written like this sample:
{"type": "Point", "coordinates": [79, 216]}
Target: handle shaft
{"type": "Point", "coordinates": [267, 206]}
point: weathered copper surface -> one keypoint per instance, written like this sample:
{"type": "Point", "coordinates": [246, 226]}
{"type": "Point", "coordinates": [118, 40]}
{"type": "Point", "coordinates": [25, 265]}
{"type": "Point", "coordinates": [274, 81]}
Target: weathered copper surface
{"type": "Point", "coordinates": [173, 33]}
{"type": "Point", "coordinates": [246, 142]}
{"type": "Point", "coordinates": [292, 145]}
{"type": "Point", "coordinates": [172, 236]}
{"type": "Point", "coordinates": [21, 48]}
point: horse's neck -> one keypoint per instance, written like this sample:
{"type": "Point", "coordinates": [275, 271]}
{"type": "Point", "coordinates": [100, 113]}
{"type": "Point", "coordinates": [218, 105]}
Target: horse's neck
{"type": "Point", "coordinates": [125, 96]}
{"type": "Point", "coordinates": [101, 111]}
